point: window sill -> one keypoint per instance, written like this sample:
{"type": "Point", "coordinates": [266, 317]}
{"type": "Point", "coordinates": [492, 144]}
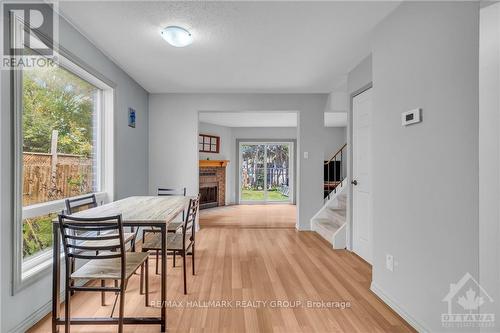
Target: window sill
{"type": "Point", "coordinates": [38, 266]}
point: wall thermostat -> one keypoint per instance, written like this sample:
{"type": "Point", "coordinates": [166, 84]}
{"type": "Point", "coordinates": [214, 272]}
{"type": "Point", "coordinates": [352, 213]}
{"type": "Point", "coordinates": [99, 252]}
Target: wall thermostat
{"type": "Point", "coordinates": [411, 117]}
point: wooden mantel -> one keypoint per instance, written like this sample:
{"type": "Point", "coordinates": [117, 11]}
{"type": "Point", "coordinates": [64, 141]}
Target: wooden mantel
{"type": "Point", "coordinates": [213, 163]}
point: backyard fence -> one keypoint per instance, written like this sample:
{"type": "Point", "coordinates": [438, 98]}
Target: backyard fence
{"type": "Point", "coordinates": [49, 177]}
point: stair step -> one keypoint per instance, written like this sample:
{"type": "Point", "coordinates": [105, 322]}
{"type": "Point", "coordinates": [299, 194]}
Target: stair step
{"type": "Point", "coordinates": [325, 228]}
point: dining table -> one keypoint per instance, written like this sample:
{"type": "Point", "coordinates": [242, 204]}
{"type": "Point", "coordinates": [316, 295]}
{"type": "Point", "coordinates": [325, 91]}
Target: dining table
{"type": "Point", "coordinates": [137, 212]}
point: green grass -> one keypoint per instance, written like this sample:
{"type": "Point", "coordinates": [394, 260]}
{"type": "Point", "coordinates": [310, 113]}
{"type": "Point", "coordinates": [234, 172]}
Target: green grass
{"type": "Point", "coordinates": [37, 234]}
{"type": "Point", "coordinates": [256, 195]}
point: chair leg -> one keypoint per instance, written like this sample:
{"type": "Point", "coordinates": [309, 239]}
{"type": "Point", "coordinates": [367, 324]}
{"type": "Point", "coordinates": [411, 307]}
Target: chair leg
{"type": "Point", "coordinates": [142, 280]}
{"type": "Point", "coordinates": [157, 251]}
{"type": "Point", "coordinates": [173, 264]}
{"type": "Point", "coordinates": [121, 310]}
{"type": "Point", "coordinates": [103, 294]}
{"type": "Point", "coordinates": [183, 254]}
{"type": "Point", "coordinates": [192, 257]}
{"type": "Point", "coordinates": [72, 271]}
{"type": "Point", "coordinates": [67, 309]}
{"type": "Point", "coordinates": [147, 283]}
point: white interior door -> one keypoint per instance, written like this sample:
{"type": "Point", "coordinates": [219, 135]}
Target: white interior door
{"type": "Point", "coordinates": [361, 178]}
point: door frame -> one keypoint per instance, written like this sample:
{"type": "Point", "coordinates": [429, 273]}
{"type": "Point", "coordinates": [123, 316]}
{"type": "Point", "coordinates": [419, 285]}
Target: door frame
{"type": "Point", "coordinates": [293, 167]}
{"type": "Point", "coordinates": [350, 161]}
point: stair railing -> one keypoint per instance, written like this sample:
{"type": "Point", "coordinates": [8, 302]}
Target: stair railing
{"type": "Point", "coordinates": [332, 182]}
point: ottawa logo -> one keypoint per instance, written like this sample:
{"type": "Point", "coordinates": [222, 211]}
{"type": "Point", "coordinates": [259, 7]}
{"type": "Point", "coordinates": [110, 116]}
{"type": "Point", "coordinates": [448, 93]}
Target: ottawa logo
{"type": "Point", "coordinates": [465, 299]}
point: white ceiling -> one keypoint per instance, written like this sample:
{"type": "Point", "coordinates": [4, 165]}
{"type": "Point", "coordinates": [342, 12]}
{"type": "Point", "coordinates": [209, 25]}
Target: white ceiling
{"type": "Point", "coordinates": [238, 46]}
{"type": "Point", "coordinates": [250, 119]}
{"type": "Point", "coordinates": [335, 119]}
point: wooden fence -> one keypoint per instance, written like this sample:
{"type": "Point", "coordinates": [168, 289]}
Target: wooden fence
{"type": "Point", "coordinates": [44, 180]}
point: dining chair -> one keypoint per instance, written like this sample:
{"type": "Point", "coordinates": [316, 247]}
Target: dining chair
{"type": "Point", "coordinates": [183, 243]}
{"type": "Point", "coordinates": [90, 201]}
{"type": "Point", "coordinates": [86, 202]}
{"type": "Point", "coordinates": [105, 259]}
{"type": "Point", "coordinates": [173, 226]}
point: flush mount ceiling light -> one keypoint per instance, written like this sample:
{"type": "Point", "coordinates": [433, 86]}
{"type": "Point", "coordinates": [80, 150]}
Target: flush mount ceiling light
{"type": "Point", "coordinates": [177, 36]}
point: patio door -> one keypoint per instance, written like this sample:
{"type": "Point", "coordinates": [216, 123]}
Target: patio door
{"type": "Point", "coordinates": [265, 172]}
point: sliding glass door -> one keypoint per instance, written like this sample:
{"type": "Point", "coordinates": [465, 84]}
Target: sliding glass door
{"type": "Point", "coordinates": [265, 172]}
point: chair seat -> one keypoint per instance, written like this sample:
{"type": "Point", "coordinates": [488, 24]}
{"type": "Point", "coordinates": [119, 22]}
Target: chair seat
{"type": "Point", "coordinates": [174, 242]}
{"type": "Point", "coordinates": [127, 237]}
{"type": "Point", "coordinates": [109, 269]}
{"type": "Point", "coordinates": [173, 226]}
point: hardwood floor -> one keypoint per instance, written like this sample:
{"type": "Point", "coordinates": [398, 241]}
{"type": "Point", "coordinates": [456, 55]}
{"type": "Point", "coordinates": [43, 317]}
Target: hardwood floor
{"type": "Point", "coordinates": [247, 254]}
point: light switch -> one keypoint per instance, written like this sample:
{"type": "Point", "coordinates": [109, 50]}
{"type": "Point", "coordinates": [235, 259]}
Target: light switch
{"type": "Point", "coordinates": [306, 155]}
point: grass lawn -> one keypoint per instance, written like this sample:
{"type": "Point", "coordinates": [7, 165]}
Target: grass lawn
{"type": "Point", "coordinates": [256, 195]}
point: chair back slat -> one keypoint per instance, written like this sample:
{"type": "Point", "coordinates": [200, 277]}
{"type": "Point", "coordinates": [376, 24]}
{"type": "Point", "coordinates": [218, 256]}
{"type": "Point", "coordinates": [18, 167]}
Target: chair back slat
{"type": "Point", "coordinates": [164, 191]}
{"type": "Point", "coordinates": [81, 203]}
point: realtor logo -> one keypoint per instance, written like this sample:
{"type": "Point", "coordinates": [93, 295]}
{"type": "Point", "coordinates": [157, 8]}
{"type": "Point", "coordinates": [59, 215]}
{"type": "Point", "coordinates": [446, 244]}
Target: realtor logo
{"type": "Point", "coordinates": [465, 299]}
{"type": "Point", "coordinates": [29, 32]}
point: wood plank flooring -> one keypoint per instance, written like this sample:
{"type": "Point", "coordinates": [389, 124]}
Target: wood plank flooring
{"type": "Point", "coordinates": [247, 254]}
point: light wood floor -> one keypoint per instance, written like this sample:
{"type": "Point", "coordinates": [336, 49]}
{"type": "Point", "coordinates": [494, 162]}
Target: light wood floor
{"type": "Point", "coordinates": [253, 253]}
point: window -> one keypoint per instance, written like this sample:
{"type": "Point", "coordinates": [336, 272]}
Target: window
{"type": "Point", "coordinates": [63, 144]}
{"type": "Point", "coordinates": [60, 117]}
{"type": "Point", "coordinates": [208, 143]}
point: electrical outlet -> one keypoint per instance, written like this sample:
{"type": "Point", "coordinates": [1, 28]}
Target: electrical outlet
{"type": "Point", "coordinates": [306, 155]}
{"type": "Point", "coordinates": [389, 262]}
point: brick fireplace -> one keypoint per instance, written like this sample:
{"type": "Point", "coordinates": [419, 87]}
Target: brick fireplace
{"type": "Point", "coordinates": [212, 183]}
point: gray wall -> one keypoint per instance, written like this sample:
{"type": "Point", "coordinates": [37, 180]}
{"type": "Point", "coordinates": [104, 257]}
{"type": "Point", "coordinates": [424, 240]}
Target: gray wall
{"type": "Point", "coordinates": [131, 167]}
{"type": "Point", "coordinates": [489, 155]}
{"type": "Point", "coordinates": [173, 131]}
{"type": "Point", "coordinates": [425, 177]}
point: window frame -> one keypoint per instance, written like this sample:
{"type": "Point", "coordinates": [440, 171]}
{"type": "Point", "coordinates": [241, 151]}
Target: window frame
{"type": "Point", "coordinates": [210, 137]}
{"type": "Point", "coordinates": [27, 271]}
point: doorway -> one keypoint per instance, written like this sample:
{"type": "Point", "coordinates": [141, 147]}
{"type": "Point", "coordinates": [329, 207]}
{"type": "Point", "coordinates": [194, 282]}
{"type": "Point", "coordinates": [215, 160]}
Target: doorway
{"type": "Point", "coordinates": [362, 223]}
{"type": "Point", "coordinates": [265, 172]}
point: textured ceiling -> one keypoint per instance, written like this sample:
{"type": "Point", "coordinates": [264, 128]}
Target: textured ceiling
{"type": "Point", "coordinates": [238, 46]}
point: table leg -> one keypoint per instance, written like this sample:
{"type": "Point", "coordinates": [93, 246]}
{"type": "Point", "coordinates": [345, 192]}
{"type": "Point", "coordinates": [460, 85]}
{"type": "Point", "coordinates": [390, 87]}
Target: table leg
{"type": "Point", "coordinates": [56, 277]}
{"type": "Point", "coordinates": [163, 278]}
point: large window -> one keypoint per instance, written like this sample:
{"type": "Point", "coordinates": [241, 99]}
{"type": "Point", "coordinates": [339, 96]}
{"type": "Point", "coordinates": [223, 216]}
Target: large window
{"type": "Point", "coordinates": [63, 130]}
{"type": "Point", "coordinates": [59, 137]}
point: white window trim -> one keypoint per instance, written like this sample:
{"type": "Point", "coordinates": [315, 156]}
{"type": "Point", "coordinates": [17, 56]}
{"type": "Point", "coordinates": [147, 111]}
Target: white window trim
{"type": "Point", "coordinates": [26, 272]}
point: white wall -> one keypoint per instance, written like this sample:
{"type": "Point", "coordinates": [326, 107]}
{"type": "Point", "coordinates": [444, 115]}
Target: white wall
{"type": "Point", "coordinates": [489, 155]}
{"type": "Point", "coordinates": [425, 177]}
{"type": "Point", "coordinates": [173, 131]}
{"type": "Point", "coordinates": [131, 167]}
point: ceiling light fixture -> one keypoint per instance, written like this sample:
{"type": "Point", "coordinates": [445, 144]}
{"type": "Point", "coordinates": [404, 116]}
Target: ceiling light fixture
{"type": "Point", "coordinates": [177, 36]}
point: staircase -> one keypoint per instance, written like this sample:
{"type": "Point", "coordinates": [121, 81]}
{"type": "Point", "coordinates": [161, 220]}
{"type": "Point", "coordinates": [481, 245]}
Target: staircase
{"type": "Point", "coordinates": [330, 221]}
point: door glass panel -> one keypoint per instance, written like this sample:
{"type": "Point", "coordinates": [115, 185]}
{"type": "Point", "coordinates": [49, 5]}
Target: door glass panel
{"type": "Point", "coordinates": [252, 172]}
{"type": "Point", "coordinates": [265, 172]}
{"type": "Point", "coordinates": [277, 172]}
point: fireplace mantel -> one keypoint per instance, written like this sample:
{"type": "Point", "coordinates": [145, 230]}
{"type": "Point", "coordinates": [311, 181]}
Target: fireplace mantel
{"type": "Point", "coordinates": [213, 163]}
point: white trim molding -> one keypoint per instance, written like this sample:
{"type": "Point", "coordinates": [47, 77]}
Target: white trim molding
{"type": "Point", "coordinates": [398, 308]}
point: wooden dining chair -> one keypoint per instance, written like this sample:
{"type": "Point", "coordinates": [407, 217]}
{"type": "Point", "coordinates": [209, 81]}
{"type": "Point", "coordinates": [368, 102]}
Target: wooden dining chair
{"type": "Point", "coordinates": [183, 243]}
{"type": "Point", "coordinates": [100, 242]}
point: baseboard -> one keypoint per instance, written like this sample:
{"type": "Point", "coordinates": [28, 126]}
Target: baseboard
{"type": "Point", "coordinates": [34, 318]}
{"type": "Point", "coordinates": [398, 309]}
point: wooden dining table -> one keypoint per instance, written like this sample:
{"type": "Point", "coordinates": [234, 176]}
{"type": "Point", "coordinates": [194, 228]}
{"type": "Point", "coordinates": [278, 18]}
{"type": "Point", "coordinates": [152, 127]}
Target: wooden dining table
{"type": "Point", "coordinates": [137, 211]}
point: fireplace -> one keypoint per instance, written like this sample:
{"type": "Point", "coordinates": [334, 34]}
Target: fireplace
{"type": "Point", "coordinates": [212, 183]}
{"type": "Point", "coordinates": [209, 197]}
